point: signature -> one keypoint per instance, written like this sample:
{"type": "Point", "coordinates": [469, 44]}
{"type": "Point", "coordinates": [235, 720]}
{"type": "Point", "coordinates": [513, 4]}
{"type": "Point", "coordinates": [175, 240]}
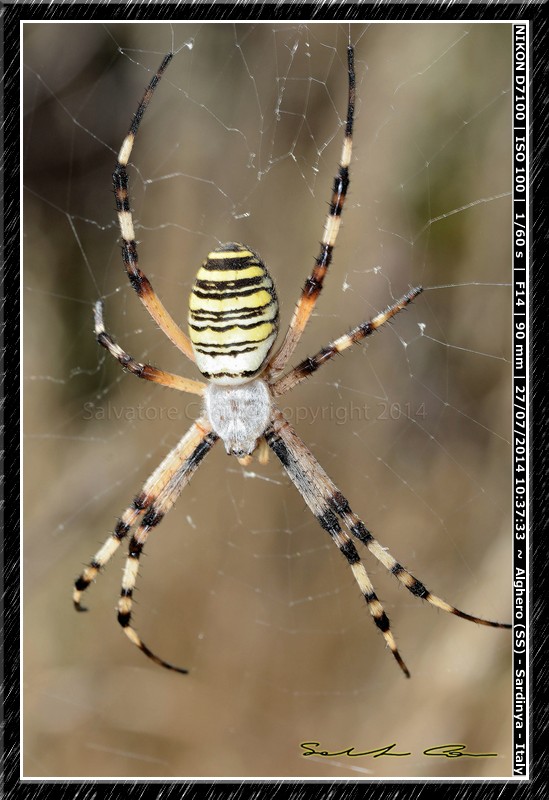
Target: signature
{"type": "Point", "coordinates": [444, 750]}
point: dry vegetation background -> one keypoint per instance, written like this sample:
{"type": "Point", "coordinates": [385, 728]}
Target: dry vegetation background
{"type": "Point", "coordinates": [240, 584]}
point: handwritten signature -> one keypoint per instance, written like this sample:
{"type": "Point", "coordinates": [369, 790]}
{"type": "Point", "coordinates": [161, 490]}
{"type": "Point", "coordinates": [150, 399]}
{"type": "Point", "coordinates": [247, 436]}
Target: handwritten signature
{"type": "Point", "coordinates": [444, 750]}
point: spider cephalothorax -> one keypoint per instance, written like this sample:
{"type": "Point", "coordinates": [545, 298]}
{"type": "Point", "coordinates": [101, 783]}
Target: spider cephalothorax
{"type": "Point", "coordinates": [233, 322]}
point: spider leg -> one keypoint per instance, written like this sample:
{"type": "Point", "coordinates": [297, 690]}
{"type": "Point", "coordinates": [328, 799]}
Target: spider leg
{"type": "Point", "coordinates": [313, 284]}
{"type": "Point", "coordinates": [359, 530]}
{"type": "Point", "coordinates": [316, 489]}
{"type": "Point", "coordinates": [138, 279]}
{"type": "Point", "coordinates": [152, 488]}
{"type": "Point", "coordinates": [326, 501]}
{"type": "Point", "coordinates": [145, 371]}
{"type": "Point", "coordinates": [155, 513]}
{"type": "Point", "coordinates": [310, 365]}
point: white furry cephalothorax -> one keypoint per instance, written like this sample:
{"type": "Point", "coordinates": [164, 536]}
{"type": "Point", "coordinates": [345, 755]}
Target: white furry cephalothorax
{"type": "Point", "coordinates": [239, 415]}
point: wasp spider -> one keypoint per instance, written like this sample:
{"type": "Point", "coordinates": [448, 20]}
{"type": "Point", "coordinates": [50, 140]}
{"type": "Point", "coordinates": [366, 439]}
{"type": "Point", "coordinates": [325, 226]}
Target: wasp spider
{"type": "Point", "coordinates": [233, 323]}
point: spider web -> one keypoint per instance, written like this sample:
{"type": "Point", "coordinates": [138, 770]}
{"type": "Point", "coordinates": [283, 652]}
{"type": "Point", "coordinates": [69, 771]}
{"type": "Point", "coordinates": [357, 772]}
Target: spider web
{"type": "Point", "coordinates": [242, 587]}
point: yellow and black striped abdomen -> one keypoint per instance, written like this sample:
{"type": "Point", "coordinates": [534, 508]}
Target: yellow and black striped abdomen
{"type": "Point", "coordinates": [233, 315]}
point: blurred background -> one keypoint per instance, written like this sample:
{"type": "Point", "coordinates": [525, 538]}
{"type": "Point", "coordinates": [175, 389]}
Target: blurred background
{"type": "Point", "coordinates": [239, 583]}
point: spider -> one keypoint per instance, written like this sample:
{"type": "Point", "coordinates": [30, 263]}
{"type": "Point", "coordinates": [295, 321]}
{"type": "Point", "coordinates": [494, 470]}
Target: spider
{"type": "Point", "coordinates": [233, 324]}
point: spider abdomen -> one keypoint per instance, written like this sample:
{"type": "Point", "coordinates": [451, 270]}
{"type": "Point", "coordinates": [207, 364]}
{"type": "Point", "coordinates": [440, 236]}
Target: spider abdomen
{"type": "Point", "coordinates": [233, 315]}
{"type": "Point", "coordinates": [239, 415]}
